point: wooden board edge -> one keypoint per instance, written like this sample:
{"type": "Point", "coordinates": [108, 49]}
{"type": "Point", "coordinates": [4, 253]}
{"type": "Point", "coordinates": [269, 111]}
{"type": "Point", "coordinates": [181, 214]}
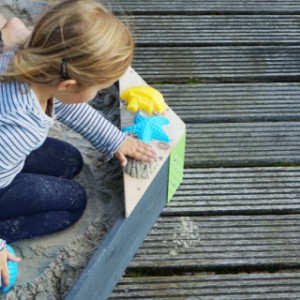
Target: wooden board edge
{"type": "Point", "coordinates": [113, 255]}
{"type": "Point", "coordinates": [135, 188]}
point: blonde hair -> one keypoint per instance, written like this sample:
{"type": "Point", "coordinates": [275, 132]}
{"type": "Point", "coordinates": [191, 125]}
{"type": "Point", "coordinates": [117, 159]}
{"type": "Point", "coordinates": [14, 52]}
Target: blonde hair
{"type": "Point", "coordinates": [95, 46]}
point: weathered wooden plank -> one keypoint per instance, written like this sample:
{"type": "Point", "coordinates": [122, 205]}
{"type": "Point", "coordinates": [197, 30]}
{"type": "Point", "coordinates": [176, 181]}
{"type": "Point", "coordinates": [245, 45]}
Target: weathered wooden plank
{"type": "Point", "coordinates": [227, 64]}
{"type": "Point", "coordinates": [215, 30]}
{"type": "Point", "coordinates": [204, 6]}
{"type": "Point", "coordinates": [242, 144]}
{"type": "Point", "coordinates": [237, 191]}
{"type": "Point", "coordinates": [258, 286]}
{"type": "Point", "coordinates": [233, 102]}
{"type": "Point", "coordinates": [212, 243]}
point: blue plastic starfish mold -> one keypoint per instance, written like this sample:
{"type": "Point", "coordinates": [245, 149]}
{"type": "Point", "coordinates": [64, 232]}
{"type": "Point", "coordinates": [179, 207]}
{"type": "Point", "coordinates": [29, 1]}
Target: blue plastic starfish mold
{"type": "Point", "coordinates": [148, 128]}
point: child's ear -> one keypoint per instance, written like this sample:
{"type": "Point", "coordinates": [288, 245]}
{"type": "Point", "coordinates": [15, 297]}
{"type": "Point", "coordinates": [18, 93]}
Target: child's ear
{"type": "Point", "coordinates": [66, 84]}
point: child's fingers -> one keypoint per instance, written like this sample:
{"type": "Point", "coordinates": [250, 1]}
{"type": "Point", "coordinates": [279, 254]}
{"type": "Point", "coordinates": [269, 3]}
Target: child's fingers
{"type": "Point", "coordinates": [121, 158]}
{"type": "Point", "coordinates": [145, 154]}
{"type": "Point", "coordinates": [4, 270]}
{"type": "Point", "coordinates": [136, 149]}
{"type": "Point", "coordinates": [5, 276]}
{"type": "Point", "coordinates": [146, 151]}
{"type": "Point", "coordinates": [13, 257]}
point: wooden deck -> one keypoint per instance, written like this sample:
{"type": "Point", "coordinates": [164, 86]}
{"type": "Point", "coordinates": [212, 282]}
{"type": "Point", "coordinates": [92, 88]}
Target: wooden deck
{"type": "Point", "coordinates": [230, 69]}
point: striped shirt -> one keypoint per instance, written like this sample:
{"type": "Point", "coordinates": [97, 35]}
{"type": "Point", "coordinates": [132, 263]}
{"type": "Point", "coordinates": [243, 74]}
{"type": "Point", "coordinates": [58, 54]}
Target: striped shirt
{"type": "Point", "coordinates": [2, 244]}
{"type": "Point", "coordinates": [24, 125]}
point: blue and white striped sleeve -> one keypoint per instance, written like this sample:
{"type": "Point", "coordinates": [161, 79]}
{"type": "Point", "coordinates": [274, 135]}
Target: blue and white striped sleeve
{"type": "Point", "coordinates": [2, 244]}
{"type": "Point", "coordinates": [5, 59]}
{"type": "Point", "coordinates": [20, 133]}
{"type": "Point", "coordinates": [84, 119]}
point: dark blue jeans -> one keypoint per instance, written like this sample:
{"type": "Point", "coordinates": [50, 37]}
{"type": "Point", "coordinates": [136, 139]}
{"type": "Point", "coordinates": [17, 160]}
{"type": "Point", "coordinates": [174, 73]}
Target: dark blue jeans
{"type": "Point", "coordinates": [43, 198]}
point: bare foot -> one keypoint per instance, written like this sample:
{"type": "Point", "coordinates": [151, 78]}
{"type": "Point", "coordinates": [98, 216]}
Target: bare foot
{"type": "Point", "coordinates": [14, 33]}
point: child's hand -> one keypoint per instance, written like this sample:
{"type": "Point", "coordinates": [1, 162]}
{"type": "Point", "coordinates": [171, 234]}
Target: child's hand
{"type": "Point", "coordinates": [4, 256]}
{"type": "Point", "coordinates": [136, 149]}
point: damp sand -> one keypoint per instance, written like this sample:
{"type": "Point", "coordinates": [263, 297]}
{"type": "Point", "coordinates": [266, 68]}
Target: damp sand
{"type": "Point", "coordinates": [51, 264]}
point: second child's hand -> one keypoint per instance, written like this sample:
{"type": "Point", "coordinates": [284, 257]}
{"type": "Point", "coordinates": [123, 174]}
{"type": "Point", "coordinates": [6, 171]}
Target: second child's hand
{"type": "Point", "coordinates": [136, 149]}
{"type": "Point", "coordinates": [4, 256]}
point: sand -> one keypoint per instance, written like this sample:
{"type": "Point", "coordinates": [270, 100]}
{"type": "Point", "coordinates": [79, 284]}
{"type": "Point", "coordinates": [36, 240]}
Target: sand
{"type": "Point", "coordinates": [52, 263]}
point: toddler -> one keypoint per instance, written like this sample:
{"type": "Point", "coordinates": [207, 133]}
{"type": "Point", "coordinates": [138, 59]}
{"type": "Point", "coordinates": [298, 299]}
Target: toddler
{"type": "Point", "coordinates": [76, 49]}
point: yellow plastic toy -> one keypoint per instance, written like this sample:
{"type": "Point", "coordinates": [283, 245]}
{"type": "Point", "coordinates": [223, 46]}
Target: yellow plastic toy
{"type": "Point", "coordinates": [145, 98]}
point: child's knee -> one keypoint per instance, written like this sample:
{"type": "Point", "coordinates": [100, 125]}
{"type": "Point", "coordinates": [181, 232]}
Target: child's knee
{"type": "Point", "coordinates": [15, 24]}
{"type": "Point", "coordinates": [80, 202]}
{"type": "Point", "coordinates": [3, 21]}
{"type": "Point", "coordinates": [14, 33]}
{"type": "Point", "coordinates": [76, 162]}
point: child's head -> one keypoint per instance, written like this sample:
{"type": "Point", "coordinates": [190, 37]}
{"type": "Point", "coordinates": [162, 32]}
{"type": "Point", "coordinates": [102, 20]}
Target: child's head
{"type": "Point", "coordinates": [77, 39]}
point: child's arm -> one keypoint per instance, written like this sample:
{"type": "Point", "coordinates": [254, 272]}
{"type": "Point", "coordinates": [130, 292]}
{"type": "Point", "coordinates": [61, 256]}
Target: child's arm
{"type": "Point", "coordinates": [102, 134]}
